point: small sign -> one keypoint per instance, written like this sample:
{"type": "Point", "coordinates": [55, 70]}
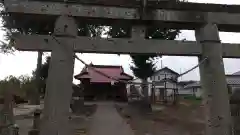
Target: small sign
{"type": "Point", "coordinates": [112, 82]}
{"type": "Point", "coordinates": [76, 98]}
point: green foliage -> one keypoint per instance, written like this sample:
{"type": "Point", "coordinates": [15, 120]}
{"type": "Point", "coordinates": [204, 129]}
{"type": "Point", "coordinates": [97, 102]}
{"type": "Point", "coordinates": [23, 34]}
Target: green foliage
{"type": "Point", "coordinates": [143, 65]}
{"type": "Point", "coordinates": [7, 45]}
{"type": "Point", "coordinates": [8, 83]}
{"type": "Point", "coordinates": [43, 74]}
{"type": "Point", "coordinates": [44, 69]}
{"type": "Point", "coordinates": [142, 68]}
{"type": "Point", "coordinates": [162, 33]}
{"type": "Point", "coordinates": [6, 48]}
{"type": "Point", "coordinates": [14, 24]}
{"type": "Point", "coordinates": [19, 85]}
{"type": "Point", "coordinates": [192, 97]}
{"type": "Point", "coordinates": [27, 83]}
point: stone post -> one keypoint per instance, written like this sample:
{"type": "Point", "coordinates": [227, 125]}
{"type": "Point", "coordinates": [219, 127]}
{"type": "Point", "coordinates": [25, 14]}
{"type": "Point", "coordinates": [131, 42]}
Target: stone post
{"type": "Point", "coordinates": [36, 120]}
{"type": "Point", "coordinates": [36, 123]}
{"type": "Point", "coordinates": [6, 113]}
{"type": "Point", "coordinates": [59, 83]}
{"type": "Point", "coordinates": [213, 82]}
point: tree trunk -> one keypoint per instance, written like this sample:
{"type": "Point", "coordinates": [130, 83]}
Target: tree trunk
{"type": "Point", "coordinates": [175, 97]}
{"type": "Point", "coordinates": [152, 94]}
{"type": "Point", "coordinates": [162, 94]}
{"type": "Point", "coordinates": [146, 105]}
{"type": "Point", "coordinates": [35, 99]}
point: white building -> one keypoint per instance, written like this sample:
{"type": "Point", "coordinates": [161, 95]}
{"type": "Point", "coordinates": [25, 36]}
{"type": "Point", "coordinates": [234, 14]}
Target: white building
{"type": "Point", "coordinates": [137, 83]}
{"type": "Point", "coordinates": [193, 89]}
{"type": "Point", "coordinates": [165, 80]}
{"type": "Point", "coordinates": [183, 89]}
{"type": "Point", "coordinates": [233, 82]}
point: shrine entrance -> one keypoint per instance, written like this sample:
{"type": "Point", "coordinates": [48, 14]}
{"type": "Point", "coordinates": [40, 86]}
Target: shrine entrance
{"type": "Point", "coordinates": [105, 92]}
{"type": "Point", "coordinates": [98, 85]}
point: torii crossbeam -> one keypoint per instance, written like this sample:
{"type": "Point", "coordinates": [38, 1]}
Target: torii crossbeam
{"type": "Point", "coordinates": [121, 46]}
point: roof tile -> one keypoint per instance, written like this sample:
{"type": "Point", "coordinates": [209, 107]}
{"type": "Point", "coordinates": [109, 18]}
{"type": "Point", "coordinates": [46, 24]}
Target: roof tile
{"type": "Point", "coordinates": [112, 71]}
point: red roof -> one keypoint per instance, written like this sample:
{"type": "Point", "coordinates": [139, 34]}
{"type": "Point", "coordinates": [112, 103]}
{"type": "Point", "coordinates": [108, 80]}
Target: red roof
{"type": "Point", "coordinates": [115, 72]}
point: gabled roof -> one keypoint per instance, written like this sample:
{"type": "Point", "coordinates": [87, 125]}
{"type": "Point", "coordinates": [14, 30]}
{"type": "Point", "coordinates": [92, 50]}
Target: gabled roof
{"type": "Point", "coordinates": [115, 72]}
{"type": "Point", "coordinates": [184, 83]}
{"type": "Point", "coordinates": [236, 73]}
{"type": "Point", "coordinates": [167, 69]}
{"type": "Point", "coordinates": [193, 85]}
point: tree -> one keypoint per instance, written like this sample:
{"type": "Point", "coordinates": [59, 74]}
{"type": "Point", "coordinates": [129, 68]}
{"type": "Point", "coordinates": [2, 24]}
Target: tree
{"type": "Point", "coordinates": [10, 80]}
{"type": "Point", "coordinates": [6, 46]}
{"type": "Point", "coordinates": [43, 74]}
{"type": "Point", "coordinates": [143, 65]}
{"type": "Point", "coordinates": [14, 84]}
{"type": "Point", "coordinates": [28, 87]}
{"type": "Point", "coordinates": [20, 85]}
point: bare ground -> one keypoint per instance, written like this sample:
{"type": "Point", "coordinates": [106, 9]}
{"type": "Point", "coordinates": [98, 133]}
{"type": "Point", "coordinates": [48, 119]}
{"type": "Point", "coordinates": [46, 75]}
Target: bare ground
{"type": "Point", "coordinates": [183, 119]}
{"type": "Point", "coordinates": [79, 123]}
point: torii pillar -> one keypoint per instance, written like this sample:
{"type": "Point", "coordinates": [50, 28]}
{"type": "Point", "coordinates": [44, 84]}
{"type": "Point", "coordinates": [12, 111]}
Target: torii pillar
{"type": "Point", "coordinates": [6, 112]}
{"type": "Point", "coordinates": [213, 82]}
{"type": "Point", "coordinates": [59, 82]}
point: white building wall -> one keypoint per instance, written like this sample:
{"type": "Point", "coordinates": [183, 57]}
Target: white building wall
{"type": "Point", "coordinates": [194, 91]}
{"type": "Point", "coordinates": [162, 74]}
{"type": "Point", "coordinates": [185, 92]}
{"type": "Point", "coordinates": [170, 85]}
{"type": "Point", "coordinates": [198, 92]}
{"type": "Point", "coordinates": [139, 86]}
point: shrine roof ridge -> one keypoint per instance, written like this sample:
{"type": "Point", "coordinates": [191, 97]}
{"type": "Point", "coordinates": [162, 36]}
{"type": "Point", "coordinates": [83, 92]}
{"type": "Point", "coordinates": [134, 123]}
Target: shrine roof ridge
{"type": "Point", "coordinates": [105, 66]}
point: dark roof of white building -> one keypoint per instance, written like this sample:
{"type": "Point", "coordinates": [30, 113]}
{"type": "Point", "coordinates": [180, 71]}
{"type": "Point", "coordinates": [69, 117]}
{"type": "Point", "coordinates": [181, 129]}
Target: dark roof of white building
{"type": "Point", "coordinates": [193, 85]}
{"type": "Point", "coordinates": [168, 69]}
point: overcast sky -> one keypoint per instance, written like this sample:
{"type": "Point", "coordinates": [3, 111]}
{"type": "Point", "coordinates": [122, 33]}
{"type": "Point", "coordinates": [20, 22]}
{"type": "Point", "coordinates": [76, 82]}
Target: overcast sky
{"type": "Point", "coordinates": [22, 63]}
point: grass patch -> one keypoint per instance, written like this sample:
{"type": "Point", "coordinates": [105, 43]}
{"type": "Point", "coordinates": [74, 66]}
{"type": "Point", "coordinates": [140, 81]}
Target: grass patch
{"type": "Point", "coordinates": [193, 99]}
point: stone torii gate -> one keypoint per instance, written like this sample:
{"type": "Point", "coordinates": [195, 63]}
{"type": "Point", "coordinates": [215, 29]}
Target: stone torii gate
{"type": "Point", "coordinates": [205, 19]}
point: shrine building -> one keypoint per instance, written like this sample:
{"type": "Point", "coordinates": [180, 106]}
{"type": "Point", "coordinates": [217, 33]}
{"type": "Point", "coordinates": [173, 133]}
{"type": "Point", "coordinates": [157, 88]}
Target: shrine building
{"type": "Point", "coordinates": [98, 85]}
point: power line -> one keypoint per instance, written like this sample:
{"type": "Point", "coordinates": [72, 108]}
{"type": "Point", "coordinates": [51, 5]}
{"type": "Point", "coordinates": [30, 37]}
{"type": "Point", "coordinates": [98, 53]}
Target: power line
{"type": "Point", "coordinates": [191, 69]}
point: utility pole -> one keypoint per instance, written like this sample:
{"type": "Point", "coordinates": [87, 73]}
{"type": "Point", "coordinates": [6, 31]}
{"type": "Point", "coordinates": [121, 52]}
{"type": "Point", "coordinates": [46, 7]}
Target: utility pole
{"type": "Point", "coordinates": [180, 74]}
{"type": "Point", "coordinates": [161, 64]}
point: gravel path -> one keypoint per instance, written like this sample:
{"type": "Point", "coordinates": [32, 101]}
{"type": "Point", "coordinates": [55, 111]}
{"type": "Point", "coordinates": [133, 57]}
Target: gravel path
{"type": "Point", "coordinates": [107, 121]}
